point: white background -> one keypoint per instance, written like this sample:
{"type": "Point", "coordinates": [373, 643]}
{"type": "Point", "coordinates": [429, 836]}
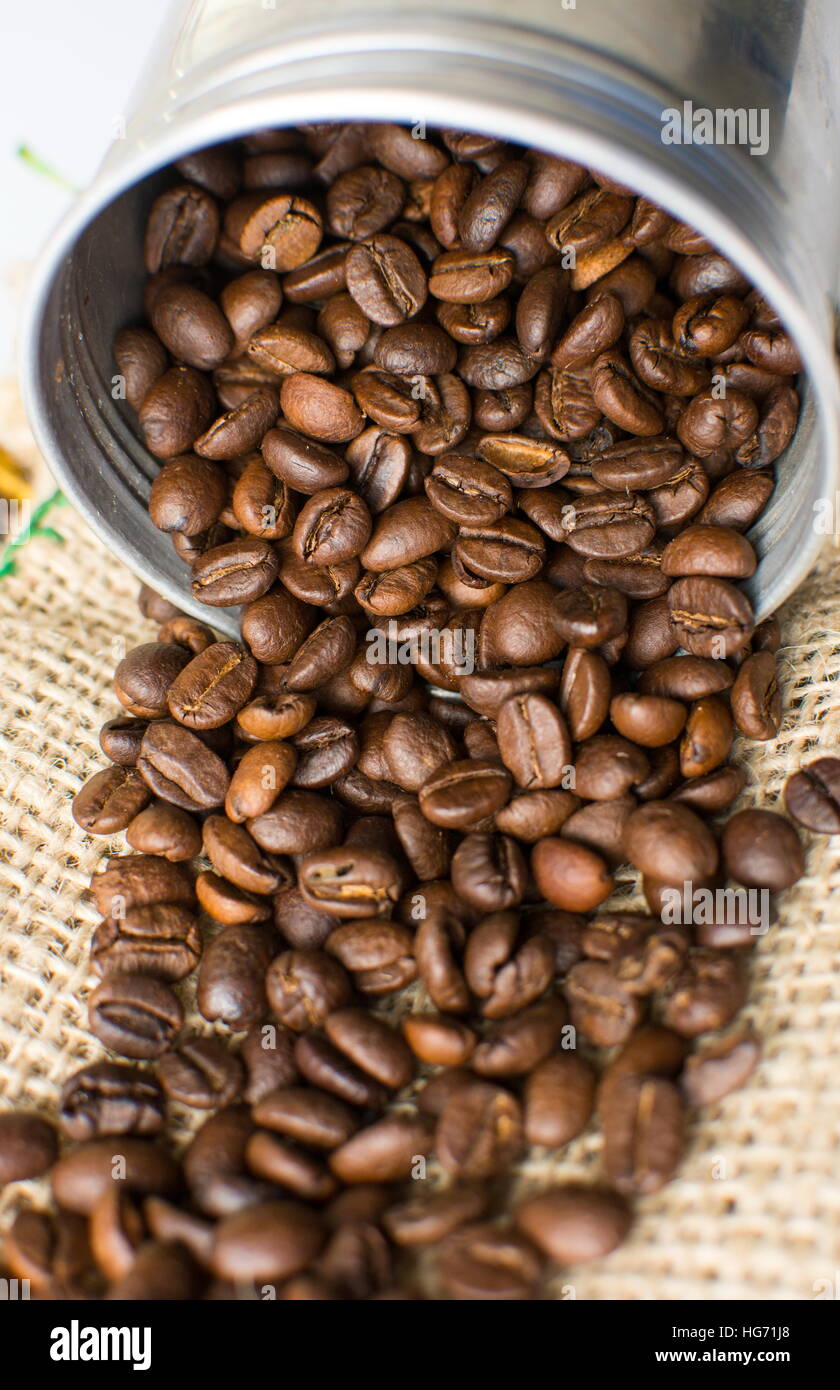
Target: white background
{"type": "Point", "coordinates": [68, 69]}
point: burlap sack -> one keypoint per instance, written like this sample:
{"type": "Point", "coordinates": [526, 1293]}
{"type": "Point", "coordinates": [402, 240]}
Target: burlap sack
{"type": "Point", "coordinates": [755, 1210]}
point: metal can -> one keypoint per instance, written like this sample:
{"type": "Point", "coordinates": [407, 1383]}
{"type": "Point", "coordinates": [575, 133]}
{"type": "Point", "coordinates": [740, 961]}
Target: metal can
{"type": "Point", "coordinates": [613, 85]}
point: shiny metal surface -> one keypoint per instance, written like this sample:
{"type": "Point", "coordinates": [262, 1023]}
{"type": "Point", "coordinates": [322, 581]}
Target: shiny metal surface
{"type": "Point", "coordinates": [590, 82]}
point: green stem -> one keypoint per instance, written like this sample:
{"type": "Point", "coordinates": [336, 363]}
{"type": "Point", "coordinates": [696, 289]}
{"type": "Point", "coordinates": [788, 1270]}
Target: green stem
{"type": "Point", "coordinates": [9, 552]}
{"type": "Point", "coordinates": [40, 166]}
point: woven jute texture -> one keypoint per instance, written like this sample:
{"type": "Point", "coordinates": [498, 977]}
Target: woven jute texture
{"type": "Point", "coordinates": [755, 1210]}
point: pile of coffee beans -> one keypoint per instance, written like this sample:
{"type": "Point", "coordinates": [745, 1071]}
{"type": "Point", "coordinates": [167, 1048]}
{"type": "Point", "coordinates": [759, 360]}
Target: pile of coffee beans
{"type": "Point", "coordinates": [473, 435]}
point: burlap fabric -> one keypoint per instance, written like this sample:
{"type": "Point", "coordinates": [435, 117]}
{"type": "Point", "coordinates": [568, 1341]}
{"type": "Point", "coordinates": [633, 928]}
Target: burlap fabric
{"type": "Point", "coordinates": [755, 1210]}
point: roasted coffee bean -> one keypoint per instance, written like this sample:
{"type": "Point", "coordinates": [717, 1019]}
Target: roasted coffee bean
{"type": "Point", "coordinates": [608, 767]}
{"type": "Point", "coordinates": [179, 767]}
{"type": "Point", "coordinates": [463, 793]}
{"type": "Point", "coordinates": [202, 1073]}
{"type": "Point", "coordinates": [137, 880]}
{"type": "Point", "coordinates": [323, 654]}
{"type": "Point", "coordinates": [720, 1067]}
{"type": "Point", "coordinates": [161, 940]}
{"type": "Point", "coordinates": [601, 1008]}
{"type": "Point", "coordinates": [710, 616]}
{"type": "Point", "coordinates": [502, 971]}
{"type": "Point", "coordinates": [267, 1242]}
{"type": "Point", "coordinates": [143, 677]}
{"type": "Point", "coordinates": [439, 1040]}
{"type": "Point", "coordinates": [332, 527]}
{"type": "Point", "coordinates": [488, 872]}
{"type": "Point", "coordinates": [812, 795]}
{"type": "Point", "coordinates": [110, 800]}
{"type": "Point", "coordinates": [213, 686]}
{"type": "Point", "coordinates": [182, 228]}
{"type": "Point", "coordinates": [267, 1053]}
{"type": "Point", "coordinates": [574, 1223]}
{"type": "Point", "coordinates": [685, 678]}
{"type": "Point", "coordinates": [348, 882]}
{"type": "Point", "coordinates": [517, 1045]}
{"type": "Point", "coordinates": [28, 1146]}
{"type": "Point", "coordinates": [559, 1099]}
{"type": "Point", "coordinates": [261, 774]}
{"type": "Point", "coordinates": [230, 986]}
{"type": "Point", "coordinates": [569, 875]}
{"type": "Point", "coordinates": [486, 1262]}
{"type": "Point", "coordinates": [384, 1151]}
{"type": "Point", "coordinates": [306, 1115]}
{"type": "Point", "coordinates": [650, 720]}
{"type": "Point", "coordinates": [120, 739]}
{"type": "Point", "coordinates": [298, 822]}
{"type": "Point", "coordinates": [709, 550]}
{"type": "Point", "coordinates": [372, 1045]}
{"type": "Point", "coordinates": [737, 500]}
{"type": "Point", "coordinates": [479, 1132]}
{"type": "Point", "coordinates": [590, 616]}
{"type": "Point", "coordinates": [415, 747]}
{"type": "Point", "coordinates": [642, 1119]}
{"type": "Point", "coordinates": [237, 572]}
{"type": "Point", "coordinates": [756, 700]}
{"type": "Point", "coordinates": [304, 987]}
{"type": "Point", "coordinates": [705, 994]}
{"type": "Point", "coordinates": [108, 1098]}
{"type": "Point", "coordinates": [324, 1066]}
{"type": "Point", "coordinates": [134, 1015]}
{"type": "Point", "coordinates": [762, 850]}
{"type": "Point", "coordinates": [80, 1178]}
{"type": "Point", "coordinates": [669, 842]}
{"type": "Point", "coordinates": [214, 1165]}
{"type": "Point", "coordinates": [385, 279]}
{"type": "Point", "coordinates": [176, 409]}
{"type": "Point", "coordinates": [707, 738]}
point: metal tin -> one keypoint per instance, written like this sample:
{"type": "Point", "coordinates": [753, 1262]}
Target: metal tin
{"type": "Point", "coordinates": [591, 83]}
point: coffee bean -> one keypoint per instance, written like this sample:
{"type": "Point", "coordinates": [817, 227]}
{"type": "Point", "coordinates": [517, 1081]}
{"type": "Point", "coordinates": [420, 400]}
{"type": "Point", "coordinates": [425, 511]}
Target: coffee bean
{"type": "Point", "coordinates": [756, 699]}
{"type": "Point", "coordinates": [762, 850]}
{"type": "Point", "coordinates": [642, 1119]}
{"type": "Point", "coordinates": [559, 1099]}
{"type": "Point", "coordinates": [236, 572]}
{"type": "Point", "coordinates": [109, 1098]}
{"type": "Point", "coordinates": [230, 985]}
{"type": "Point", "coordinates": [160, 940]}
{"type": "Point", "coordinates": [384, 1151]}
{"type": "Point", "coordinates": [201, 1072]}
{"type": "Point", "coordinates": [180, 768]}
{"type": "Point", "coordinates": [165, 830]}
{"type": "Point", "coordinates": [346, 882]}
{"type": "Point", "coordinates": [462, 793]}
{"type": "Point", "coordinates": [80, 1178]}
{"type": "Point", "coordinates": [517, 1045]}
{"type": "Point", "coordinates": [137, 880]}
{"type": "Point", "coordinates": [213, 686]}
{"type": "Point", "coordinates": [574, 1223]}
{"type": "Point", "coordinates": [479, 1132]}
{"type": "Point", "coordinates": [28, 1146]}
{"type": "Point", "coordinates": [720, 1067]}
{"type": "Point", "coordinates": [485, 1262]}
{"type": "Point", "coordinates": [143, 677]}
{"type": "Point", "coordinates": [812, 795]}
{"type": "Point", "coordinates": [266, 1242]}
{"type": "Point", "coordinates": [110, 800]}
{"type": "Point", "coordinates": [705, 994]}
{"type": "Point", "coordinates": [570, 876]}
{"type": "Point", "coordinates": [134, 1015]}
{"type": "Point", "coordinates": [668, 842]}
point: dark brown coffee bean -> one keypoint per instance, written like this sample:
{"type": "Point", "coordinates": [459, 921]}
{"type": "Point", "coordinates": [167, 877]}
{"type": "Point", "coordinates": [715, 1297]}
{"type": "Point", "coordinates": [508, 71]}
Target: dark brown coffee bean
{"type": "Point", "coordinates": [333, 526]}
{"type": "Point", "coordinates": [201, 1072]}
{"type": "Point", "coordinates": [298, 822]}
{"type": "Point", "coordinates": [559, 1099]}
{"type": "Point", "coordinates": [110, 800]}
{"type": "Point", "coordinates": [685, 678]}
{"type": "Point", "coordinates": [590, 615]}
{"type": "Point", "coordinates": [230, 986]}
{"type": "Point", "coordinates": [180, 768]}
{"type": "Point", "coordinates": [160, 940]}
{"type": "Point", "coordinates": [710, 616]}
{"type": "Point", "coordinates": [81, 1177]}
{"type": "Point", "coordinates": [570, 876]}
{"type": "Point", "coordinates": [267, 1053]}
{"type": "Point", "coordinates": [319, 408]}
{"type": "Point", "coordinates": [136, 880]}
{"type": "Point", "coordinates": [642, 1119]}
{"type": "Point", "coordinates": [385, 279]}
{"type": "Point", "coordinates": [705, 994]}
{"type": "Point", "coordinates": [304, 987]}
{"type": "Point", "coordinates": [267, 1242]}
{"type": "Point", "coordinates": [120, 739]}
{"type": "Point", "coordinates": [372, 1045]}
{"type": "Point", "coordinates": [346, 882]}
{"type": "Point", "coordinates": [463, 793]}
{"type": "Point", "coordinates": [237, 572]}
{"type": "Point", "coordinates": [479, 1132]}
{"type": "Point", "coordinates": [574, 1223]}
{"type": "Point", "coordinates": [107, 1098]}
{"type": "Point", "coordinates": [423, 1221]}
{"type": "Point", "coordinates": [406, 532]}
{"type": "Point", "coordinates": [213, 687]}
{"type": "Point", "coordinates": [756, 699]}
{"type": "Point", "coordinates": [762, 850]}
{"type": "Point", "coordinates": [439, 1040]}
{"type": "Point", "coordinates": [670, 843]}
{"type": "Point", "coordinates": [812, 795]}
{"type": "Point", "coordinates": [134, 1015]}
{"type": "Point", "coordinates": [485, 1262]}
{"type": "Point", "coordinates": [601, 1008]}
{"type": "Point", "coordinates": [307, 1115]}
{"type": "Point", "coordinates": [737, 500]}
{"type": "Point", "coordinates": [720, 1067]}
{"type": "Point", "coordinates": [515, 1046]}
{"type": "Point", "coordinates": [534, 741]}
{"type": "Point", "coordinates": [608, 767]}
{"type": "Point", "coordinates": [143, 677]}
{"type": "Point", "coordinates": [385, 1151]}
{"type": "Point", "coordinates": [141, 361]}
{"type": "Point", "coordinates": [651, 720]}
{"type": "Point", "coordinates": [176, 409]}
{"type": "Point", "coordinates": [28, 1146]}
